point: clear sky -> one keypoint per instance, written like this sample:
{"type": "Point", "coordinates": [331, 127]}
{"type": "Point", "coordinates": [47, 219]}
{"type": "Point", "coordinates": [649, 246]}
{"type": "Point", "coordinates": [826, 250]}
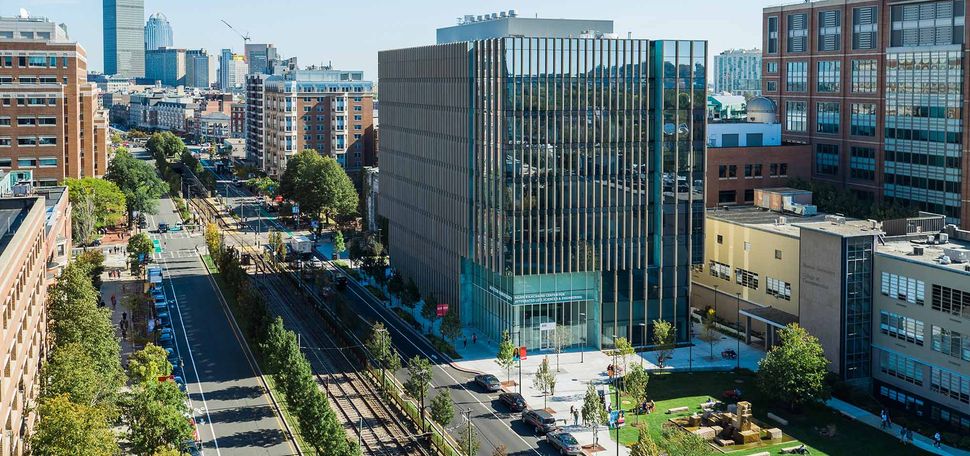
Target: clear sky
{"type": "Point", "coordinates": [349, 34]}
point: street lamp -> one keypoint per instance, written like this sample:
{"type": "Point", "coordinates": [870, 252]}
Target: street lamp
{"type": "Point", "coordinates": [582, 350]}
{"type": "Point", "coordinates": [739, 331]}
{"type": "Point", "coordinates": [644, 340]}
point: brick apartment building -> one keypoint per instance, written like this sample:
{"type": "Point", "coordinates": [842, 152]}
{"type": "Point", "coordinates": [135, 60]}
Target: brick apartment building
{"type": "Point", "coordinates": [36, 247]}
{"type": "Point", "coordinates": [50, 119]}
{"type": "Point", "coordinates": [876, 89]}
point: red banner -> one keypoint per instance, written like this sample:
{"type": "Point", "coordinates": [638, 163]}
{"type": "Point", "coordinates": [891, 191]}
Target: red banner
{"type": "Point", "coordinates": [522, 353]}
{"type": "Point", "coordinates": [442, 310]}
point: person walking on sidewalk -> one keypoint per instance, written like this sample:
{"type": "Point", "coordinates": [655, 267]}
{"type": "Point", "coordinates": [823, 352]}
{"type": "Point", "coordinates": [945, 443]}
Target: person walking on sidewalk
{"type": "Point", "coordinates": [937, 440]}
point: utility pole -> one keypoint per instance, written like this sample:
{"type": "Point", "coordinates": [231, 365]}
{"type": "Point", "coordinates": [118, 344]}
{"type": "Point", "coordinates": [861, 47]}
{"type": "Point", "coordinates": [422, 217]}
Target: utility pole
{"type": "Point", "coordinates": [468, 435]}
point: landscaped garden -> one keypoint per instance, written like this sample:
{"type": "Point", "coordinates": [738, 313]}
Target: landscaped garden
{"type": "Point", "coordinates": [824, 431]}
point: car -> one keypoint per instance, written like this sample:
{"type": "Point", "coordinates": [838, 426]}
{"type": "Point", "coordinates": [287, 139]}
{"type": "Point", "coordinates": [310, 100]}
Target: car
{"type": "Point", "coordinates": [142, 224]}
{"type": "Point", "coordinates": [315, 263]}
{"type": "Point", "coordinates": [165, 339]}
{"type": "Point", "coordinates": [341, 283]}
{"type": "Point", "coordinates": [564, 442]}
{"type": "Point", "coordinates": [173, 358]}
{"type": "Point", "coordinates": [540, 420]}
{"type": "Point", "coordinates": [163, 227]}
{"type": "Point", "coordinates": [175, 227]}
{"type": "Point", "coordinates": [160, 302]}
{"type": "Point", "coordinates": [191, 448]}
{"type": "Point", "coordinates": [488, 382]}
{"type": "Point", "coordinates": [514, 401]}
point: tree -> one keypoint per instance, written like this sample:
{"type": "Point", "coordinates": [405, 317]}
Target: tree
{"type": "Point", "coordinates": [560, 338]}
{"type": "Point", "coordinates": [213, 240]}
{"type": "Point", "coordinates": [644, 446]}
{"type": "Point", "coordinates": [410, 294]}
{"type": "Point", "coordinates": [451, 324]}
{"type": "Point", "coordinates": [277, 246]}
{"type": "Point", "coordinates": [443, 407]}
{"type": "Point", "coordinates": [70, 371]}
{"type": "Point", "coordinates": [622, 350]}
{"type": "Point", "coordinates": [148, 364]}
{"type": "Point", "coordinates": [635, 383]}
{"type": "Point", "coordinates": [338, 244]}
{"type": "Point", "coordinates": [108, 200]}
{"type": "Point", "coordinates": [381, 347]}
{"type": "Point", "coordinates": [663, 339]}
{"type": "Point", "coordinates": [429, 310]}
{"type": "Point", "coordinates": [710, 334]}
{"type": "Point", "coordinates": [155, 414]}
{"type": "Point", "coordinates": [320, 428]}
{"type": "Point", "coordinates": [67, 428]}
{"type": "Point", "coordinates": [139, 246]}
{"type": "Point", "coordinates": [264, 186]}
{"type": "Point", "coordinates": [794, 370]}
{"type": "Point", "coordinates": [138, 181]}
{"type": "Point", "coordinates": [93, 261]}
{"type": "Point", "coordinates": [544, 380]}
{"type": "Point", "coordinates": [468, 440]}
{"type": "Point", "coordinates": [677, 442]}
{"type": "Point", "coordinates": [83, 219]}
{"type": "Point", "coordinates": [116, 138]}
{"type": "Point", "coordinates": [165, 145]}
{"type": "Point", "coordinates": [593, 411]}
{"type": "Point", "coordinates": [419, 377]}
{"type": "Point", "coordinates": [506, 354]}
{"type": "Point", "coordinates": [319, 185]}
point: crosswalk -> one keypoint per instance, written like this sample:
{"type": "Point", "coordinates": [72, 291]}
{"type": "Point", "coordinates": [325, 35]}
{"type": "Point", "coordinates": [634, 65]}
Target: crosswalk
{"type": "Point", "coordinates": [174, 254]}
{"type": "Point", "coordinates": [178, 235]}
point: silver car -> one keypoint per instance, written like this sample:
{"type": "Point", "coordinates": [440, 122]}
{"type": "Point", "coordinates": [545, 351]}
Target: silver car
{"type": "Point", "coordinates": [564, 442]}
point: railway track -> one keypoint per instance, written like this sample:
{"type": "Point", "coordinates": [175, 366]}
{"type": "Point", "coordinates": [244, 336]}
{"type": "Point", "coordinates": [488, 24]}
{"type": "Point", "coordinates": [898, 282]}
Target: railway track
{"type": "Point", "coordinates": [365, 413]}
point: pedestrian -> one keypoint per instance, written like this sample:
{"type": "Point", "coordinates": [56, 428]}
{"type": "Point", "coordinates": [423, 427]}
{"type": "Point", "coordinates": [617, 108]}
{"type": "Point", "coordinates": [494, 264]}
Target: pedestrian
{"type": "Point", "coordinates": [576, 417]}
{"type": "Point", "coordinates": [902, 434]}
{"type": "Point", "coordinates": [937, 439]}
{"type": "Point", "coordinates": [882, 418]}
{"type": "Point", "coordinates": [113, 304]}
{"type": "Point", "coordinates": [474, 338]}
{"type": "Point", "coordinates": [465, 343]}
{"type": "Point", "coordinates": [909, 436]}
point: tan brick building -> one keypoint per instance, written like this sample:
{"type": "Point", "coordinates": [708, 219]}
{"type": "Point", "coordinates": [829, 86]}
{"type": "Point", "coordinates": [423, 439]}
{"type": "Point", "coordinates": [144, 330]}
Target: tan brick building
{"type": "Point", "coordinates": [50, 120]}
{"type": "Point", "coordinates": [35, 249]}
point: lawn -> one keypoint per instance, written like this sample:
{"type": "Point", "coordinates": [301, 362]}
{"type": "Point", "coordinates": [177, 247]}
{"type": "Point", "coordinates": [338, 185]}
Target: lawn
{"type": "Point", "coordinates": [670, 390]}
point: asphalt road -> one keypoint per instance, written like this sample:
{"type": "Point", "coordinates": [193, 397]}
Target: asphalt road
{"type": "Point", "coordinates": [495, 424]}
{"type": "Point", "coordinates": [235, 415]}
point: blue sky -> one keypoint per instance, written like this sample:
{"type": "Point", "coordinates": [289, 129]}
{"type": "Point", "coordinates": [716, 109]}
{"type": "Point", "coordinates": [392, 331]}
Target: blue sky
{"type": "Point", "coordinates": [350, 34]}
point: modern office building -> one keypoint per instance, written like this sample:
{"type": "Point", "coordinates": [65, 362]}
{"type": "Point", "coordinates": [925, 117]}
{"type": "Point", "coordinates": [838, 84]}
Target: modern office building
{"type": "Point", "coordinates": [327, 110]}
{"type": "Point", "coordinates": [201, 68]}
{"type": "Point", "coordinates": [165, 66]}
{"type": "Point", "coordinates": [876, 89]}
{"type": "Point", "coordinates": [255, 120]}
{"type": "Point", "coordinates": [536, 182]}
{"type": "Point", "coordinates": [232, 71]}
{"type": "Point", "coordinates": [477, 27]}
{"type": "Point", "coordinates": [261, 57]}
{"type": "Point", "coordinates": [738, 72]}
{"type": "Point", "coordinates": [158, 33]}
{"type": "Point", "coordinates": [124, 38]}
{"type": "Point", "coordinates": [50, 119]}
{"type": "Point", "coordinates": [36, 246]}
{"type": "Point", "coordinates": [747, 154]}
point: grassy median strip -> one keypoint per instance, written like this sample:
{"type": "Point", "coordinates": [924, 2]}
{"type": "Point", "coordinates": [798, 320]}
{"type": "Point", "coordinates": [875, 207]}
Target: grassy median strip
{"type": "Point", "coordinates": [242, 320]}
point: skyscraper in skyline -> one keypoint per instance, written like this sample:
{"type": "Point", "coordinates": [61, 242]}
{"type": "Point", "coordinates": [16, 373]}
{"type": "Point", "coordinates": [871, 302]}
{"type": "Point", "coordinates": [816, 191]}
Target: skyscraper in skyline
{"type": "Point", "coordinates": [158, 32]}
{"type": "Point", "coordinates": [232, 71]}
{"type": "Point", "coordinates": [260, 57]}
{"type": "Point", "coordinates": [124, 38]}
{"type": "Point", "coordinates": [738, 71]}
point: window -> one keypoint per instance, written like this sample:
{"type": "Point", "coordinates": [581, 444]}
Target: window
{"type": "Point", "coordinates": [783, 169]}
{"type": "Point", "coordinates": [829, 78]}
{"type": "Point", "coordinates": [903, 288]}
{"type": "Point", "coordinates": [778, 254]}
{"type": "Point", "coordinates": [26, 121]}
{"type": "Point", "coordinates": [727, 171]}
{"type": "Point", "coordinates": [827, 117]}
{"type": "Point", "coordinates": [772, 35]}
{"type": "Point", "coordinates": [37, 61]}
{"type": "Point", "coordinates": [829, 30]}
{"type": "Point", "coordinates": [720, 239]}
{"type": "Point", "coordinates": [746, 278]}
{"type": "Point", "coordinates": [357, 108]}
{"type": "Point", "coordinates": [864, 27]}
{"type": "Point", "coordinates": [778, 288]}
{"type": "Point", "coordinates": [797, 32]}
{"type": "Point", "coordinates": [771, 86]}
{"type": "Point", "coordinates": [747, 246]}
{"type": "Point", "coordinates": [754, 139]}
{"type": "Point", "coordinates": [47, 140]}
{"type": "Point", "coordinates": [720, 270]}
{"type": "Point", "coordinates": [727, 197]}
{"type": "Point", "coordinates": [796, 78]}
{"type": "Point", "coordinates": [950, 384]}
{"type": "Point", "coordinates": [5, 141]}
{"type": "Point", "coordinates": [357, 117]}
{"type": "Point", "coordinates": [748, 195]}
{"type": "Point", "coordinates": [926, 24]}
{"type": "Point", "coordinates": [862, 119]}
{"type": "Point", "coordinates": [26, 162]}
{"type": "Point", "coordinates": [796, 116]}
{"type": "Point", "coordinates": [48, 162]}
{"type": "Point", "coordinates": [729, 140]}
{"type": "Point", "coordinates": [950, 343]}
{"type": "Point", "coordinates": [771, 67]}
{"type": "Point", "coordinates": [357, 127]}
{"type": "Point", "coordinates": [827, 159]}
{"type": "Point", "coordinates": [900, 327]}
{"type": "Point", "coordinates": [5, 162]}
{"type": "Point", "coordinates": [47, 120]}
{"type": "Point", "coordinates": [26, 141]}
{"type": "Point", "coordinates": [862, 163]}
{"type": "Point", "coordinates": [901, 367]}
{"type": "Point", "coordinates": [951, 301]}
{"type": "Point", "coordinates": [752, 170]}
{"type": "Point", "coordinates": [5, 121]}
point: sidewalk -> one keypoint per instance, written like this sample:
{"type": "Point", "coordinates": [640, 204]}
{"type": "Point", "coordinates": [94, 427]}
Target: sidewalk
{"type": "Point", "coordinates": [120, 287]}
{"type": "Point", "coordinates": [920, 441]}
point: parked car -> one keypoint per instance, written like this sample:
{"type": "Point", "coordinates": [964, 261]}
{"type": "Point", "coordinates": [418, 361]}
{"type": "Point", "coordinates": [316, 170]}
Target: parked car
{"type": "Point", "coordinates": [315, 263]}
{"type": "Point", "coordinates": [488, 382]}
{"type": "Point", "coordinates": [564, 442]}
{"type": "Point", "coordinates": [514, 401]}
{"type": "Point", "coordinates": [165, 339]}
{"type": "Point", "coordinates": [341, 283]}
{"type": "Point", "coordinates": [175, 227]}
{"type": "Point", "coordinates": [163, 227]}
{"type": "Point", "coordinates": [191, 448]}
{"type": "Point", "coordinates": [540, 420]}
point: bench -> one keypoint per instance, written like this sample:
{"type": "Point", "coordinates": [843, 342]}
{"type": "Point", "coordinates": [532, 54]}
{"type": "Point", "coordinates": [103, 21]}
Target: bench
{"type": "Point", "coordinates": [763, 453]}
{"type": "Point", "coordinates": [787, 450]}
{"type": "Point", "coordinates": [778, 419]}
{"type": "Point", "coordinates": [678, 410]}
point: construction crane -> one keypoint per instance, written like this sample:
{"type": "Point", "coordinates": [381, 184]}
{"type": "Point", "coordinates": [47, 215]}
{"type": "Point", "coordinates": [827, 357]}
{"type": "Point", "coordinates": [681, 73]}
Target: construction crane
{"type": "Point", "coordinates": [245, 37]}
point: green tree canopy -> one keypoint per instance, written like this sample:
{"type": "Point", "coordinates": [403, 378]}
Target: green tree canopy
{"type": "Point", "coordinates": [451, 324]}
{"type": "Point", "coordinates": [319, 185]}
{"type": "Point", "coordinates": [419, 378]}
{"type": "Point", "coordinates": [663, 338]}
{"type": "Point", "coordinates": [635, 383]}
{"type": "Point", "coordinates": [382, 348]}
{"type": "Point", "coordinates": [443, 407]}
{"type": "Point", "coordinates": [68, 428]}
{"type": "Point", "coordinates": [794, 370]}
{"type": "Point", "coordinates": [165, 144]}
{"type": "Point", "coordinates": [138, 181]}
{"type": "Point", "coordinates": [70, 371]}
{"type": "Point", "coordinates": [149, 363]}
{"type": "Point", "coordinates": [506, 354]}
{"type": "Point", "coordinates": [109, 201]}
{"type": "Point", "coordinates": [155, 413]}
{"type": "Point", "coordinates": [264, 186]}
{"type": "Point", "coordinates": [139, 244]}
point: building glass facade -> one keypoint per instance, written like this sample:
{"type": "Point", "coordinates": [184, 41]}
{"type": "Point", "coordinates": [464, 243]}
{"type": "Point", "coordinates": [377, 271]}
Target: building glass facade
{"type": "Point", "coordinates": [857, 320]}
{"type": "Point", "coordinates": [124, 38]}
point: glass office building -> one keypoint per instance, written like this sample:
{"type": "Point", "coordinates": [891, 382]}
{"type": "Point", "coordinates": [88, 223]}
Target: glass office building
{"type": "Point", "coordinates": [578, 202]}
{"type": "Point", "coordinates": [124, 38]}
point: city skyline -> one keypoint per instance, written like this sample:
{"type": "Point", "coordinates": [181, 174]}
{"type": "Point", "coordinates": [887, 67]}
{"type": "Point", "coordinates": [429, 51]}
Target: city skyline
{"type": "Point", "coordinates": [197, 25]}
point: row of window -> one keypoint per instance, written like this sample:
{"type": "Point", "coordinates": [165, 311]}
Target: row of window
{"type": "Point", "coordinates": [903, 288]}
{"type": "Point", "coordinates": [746, 278]}
{"type": "Point", "coordinates": [923, 182]}
{"type": "Point", "coordinates": [951, 301]}
{"type": "Point", "coordinates": [864, 77]}
{"type": "Point", "coordinates": [901, 327]}
{"type": "Point", "coordinates": [31, 121]}
{"type": "Point", "coordinates": [950, 343]}
{"type": "Point", "coordinates": [865, 30]}
{"type": "Point", "coordinates": [29, 141]}
{"type": "Point", "coordinates": [951, 385]}
{"type": "Point", "coordinates": [752, 170]}
{"type": "Point", "coordinates": [779, 289]}
{"type": "Point", "coordinates": [901, 367]}
{"type": "Point", "coordinates": [33, 61]}
{"type": "Point", "coordinates": [720, 270]}
{"type": "Point", "coordinates": [6, 79]}
{"type": "Point", "coordinates": [923, 159]}
{"type": "Point", "coordinates": [29, 101]}
{"type": "Point", "coordinates": [29, 162]}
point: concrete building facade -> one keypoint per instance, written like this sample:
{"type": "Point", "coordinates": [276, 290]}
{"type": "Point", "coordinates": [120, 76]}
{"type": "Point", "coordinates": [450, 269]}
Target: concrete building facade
{"type": "Point", "coordinates": [50, 119]}
{"type": "Point", "coordinates": [201, 68]}
{"type": "Point", "coordinates": [496, 211]}
{"type": "Point", "coordinates": [738, 72]}
{"type": "Point", "coordinates": [166, 65]}
{"type": "Point", "coordinates": [124, 37]}
{"type": "Point", "coordinates": [36, 246]}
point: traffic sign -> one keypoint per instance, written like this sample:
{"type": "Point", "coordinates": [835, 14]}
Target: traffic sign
{"type": "Point", "coordinates": [522, 353]}
{"type": "Point", "coordinates": [442, 310]}
{"type": "Point", "coordinates": [296, 208]}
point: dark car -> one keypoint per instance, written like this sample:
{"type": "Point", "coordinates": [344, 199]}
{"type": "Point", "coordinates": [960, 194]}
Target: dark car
{"type": "Point", "coordinates": [564, 442]}
{"type": "Point", "coordinates": [540, 420]}
{"type": "Point", "coordinates": [514, 401]}
{"type": "Point", "coordinates": [488, 382]}
{"type": "Point", "coordinates": [341, 283]}
{"type": "Point", "coordinates": [163, 227]}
